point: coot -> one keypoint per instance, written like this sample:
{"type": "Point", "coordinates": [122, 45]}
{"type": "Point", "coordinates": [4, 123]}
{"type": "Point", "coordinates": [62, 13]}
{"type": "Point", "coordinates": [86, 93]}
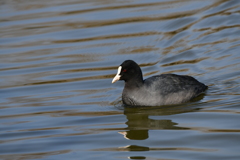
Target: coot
{"type": "Point", "coordinates": [164, 89]}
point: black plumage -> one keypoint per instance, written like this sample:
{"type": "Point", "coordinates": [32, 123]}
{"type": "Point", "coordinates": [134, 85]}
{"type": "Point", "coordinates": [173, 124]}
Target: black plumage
{"type": "Point", "coordinates": [157, 90]}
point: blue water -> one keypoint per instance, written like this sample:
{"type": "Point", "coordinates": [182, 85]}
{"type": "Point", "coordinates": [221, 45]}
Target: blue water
{"type": "Point", "coordinates": [58, 58]}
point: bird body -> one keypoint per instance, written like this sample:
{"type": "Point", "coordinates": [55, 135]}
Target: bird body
{"type": "Point", "coordinates": [164, 89]}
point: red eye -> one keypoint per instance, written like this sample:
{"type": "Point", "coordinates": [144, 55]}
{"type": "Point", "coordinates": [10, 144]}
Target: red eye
{"type": "Point", "coordinates": [124, 70]}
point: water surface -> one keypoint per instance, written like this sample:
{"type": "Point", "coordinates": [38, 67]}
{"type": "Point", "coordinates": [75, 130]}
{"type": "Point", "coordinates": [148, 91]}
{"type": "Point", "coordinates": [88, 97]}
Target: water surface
{"type": "Point", "coordinates": [58, 58]}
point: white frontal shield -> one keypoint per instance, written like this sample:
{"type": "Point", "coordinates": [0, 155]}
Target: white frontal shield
{"type": "Point", "coordinates": [117, 77]}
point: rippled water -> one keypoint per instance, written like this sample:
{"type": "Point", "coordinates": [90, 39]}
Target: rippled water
{"type": "Point", "coordinates": [57, 60]}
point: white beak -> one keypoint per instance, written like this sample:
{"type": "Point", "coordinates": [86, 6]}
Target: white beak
{"type": "Point", "coordinates": [117, 77]}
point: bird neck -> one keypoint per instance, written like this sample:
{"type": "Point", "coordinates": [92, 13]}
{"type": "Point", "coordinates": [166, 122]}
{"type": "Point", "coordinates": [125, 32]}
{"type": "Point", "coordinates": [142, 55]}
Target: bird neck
{"type": "Point", "coordinates": [137, 81]}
